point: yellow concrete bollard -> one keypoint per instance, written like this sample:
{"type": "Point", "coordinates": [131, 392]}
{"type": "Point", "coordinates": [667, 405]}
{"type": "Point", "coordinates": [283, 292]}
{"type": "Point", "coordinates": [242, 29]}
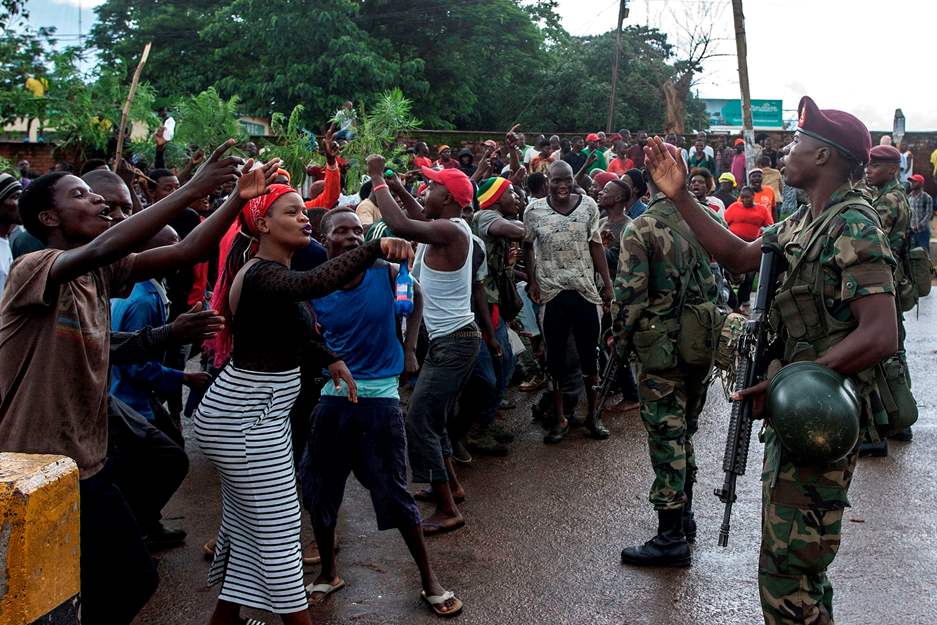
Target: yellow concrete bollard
{"type": "Point", "coordinates": [39, 537]}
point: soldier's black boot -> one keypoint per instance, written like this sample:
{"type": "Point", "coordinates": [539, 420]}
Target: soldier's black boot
{"type": "Point", "coordinates": [874, 449]}
{"type": "Point", "coordinates": [689, 520]}
{"type": "Point", "coordinates": [668, 548]}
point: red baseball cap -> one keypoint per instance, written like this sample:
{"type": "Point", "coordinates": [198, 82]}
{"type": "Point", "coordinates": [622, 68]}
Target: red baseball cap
{"type": "Point", "coordinates": [456, 182]}
{"type": "Point", "coordinates": [916, 178]}
{"type": "Point", "coordinates": [592, 137]}
{"type": "Point", "coordinates": [740, 141]}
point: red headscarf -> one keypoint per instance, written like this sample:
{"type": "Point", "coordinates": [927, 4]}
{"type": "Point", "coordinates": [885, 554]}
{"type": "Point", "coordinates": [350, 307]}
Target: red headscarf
{"type": "Point", "coordinates": [244, 226]}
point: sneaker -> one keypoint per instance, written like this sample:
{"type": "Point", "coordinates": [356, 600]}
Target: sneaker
{"type": "Point", "coordinates": [533, 384]}
{"type": "Point", "coordinates": [507, 404]}
{"type": "Point", "coordinates": [460, 454]}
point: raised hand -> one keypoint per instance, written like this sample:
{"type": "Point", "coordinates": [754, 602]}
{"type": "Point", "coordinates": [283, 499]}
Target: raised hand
{"type": "Point", "coordinates": [668, 175]}
{"type": "Point", "coordinates": [396, 250]}
{"type": "Point", "coordinates": [328, 147]}
{"type": "Point", "coordinates": [216, 171]}
{"type": "Point", "coordinates": [160, 140]}
{"type": "Point", "coordinates": [376, 165]}
{"type": "Point", "coordinates": [511, 135]}
{"type": "Point", "coordinates": [257, 179]}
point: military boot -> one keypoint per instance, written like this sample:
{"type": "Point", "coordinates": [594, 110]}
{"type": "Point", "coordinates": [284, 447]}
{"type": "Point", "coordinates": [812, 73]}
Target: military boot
{"type": "Point", "coordinates": [668, 548]}
{"type": "Point", "coordinates": [689, 520]}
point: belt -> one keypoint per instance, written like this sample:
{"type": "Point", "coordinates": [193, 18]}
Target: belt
{"type": "Point", "coordinates": [469, 331]}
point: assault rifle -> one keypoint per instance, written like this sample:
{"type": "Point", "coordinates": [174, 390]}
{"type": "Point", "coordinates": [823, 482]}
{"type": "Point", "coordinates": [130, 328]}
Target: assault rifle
{"type": "Point", "coordinates": [754, 357]}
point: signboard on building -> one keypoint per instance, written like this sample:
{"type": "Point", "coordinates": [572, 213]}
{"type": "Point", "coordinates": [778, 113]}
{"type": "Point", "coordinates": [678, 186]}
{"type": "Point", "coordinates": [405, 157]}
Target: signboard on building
{"type": "Point", "coordinates": [728, 113]}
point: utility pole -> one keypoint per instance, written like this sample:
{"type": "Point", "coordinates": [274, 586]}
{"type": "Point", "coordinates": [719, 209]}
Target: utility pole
{"type": "Point", "coordinates": [741, 48]}
{"type": "Point", "coordinates": [622, 14]}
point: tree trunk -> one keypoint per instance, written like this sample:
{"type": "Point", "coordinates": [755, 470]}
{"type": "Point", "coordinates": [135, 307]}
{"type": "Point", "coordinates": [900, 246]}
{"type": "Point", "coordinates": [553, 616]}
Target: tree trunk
{"type": "Point", "coordinates": [675, 107]}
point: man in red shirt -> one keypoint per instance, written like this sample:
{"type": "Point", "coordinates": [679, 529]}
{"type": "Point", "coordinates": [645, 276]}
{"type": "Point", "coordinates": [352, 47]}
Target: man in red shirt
{"type": "Point", "coordinates": [422, 158]}
{"type": "Point", "coordinates": [746, 218]}
{"type": "Point", "coordinates": [621, 163]}
{"type": "Point", "coordinates": [764, 196]}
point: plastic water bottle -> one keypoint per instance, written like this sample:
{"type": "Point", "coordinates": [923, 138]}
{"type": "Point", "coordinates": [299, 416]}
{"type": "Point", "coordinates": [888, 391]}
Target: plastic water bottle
{"type": "Point", "coordinates": [404, 302]}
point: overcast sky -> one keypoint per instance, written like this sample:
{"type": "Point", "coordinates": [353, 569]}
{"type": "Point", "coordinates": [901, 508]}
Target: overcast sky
{"type": "Point", "coordinates": [821, 48]}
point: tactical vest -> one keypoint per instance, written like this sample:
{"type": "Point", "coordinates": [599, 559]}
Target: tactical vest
{"type": "Point", "coordinates": [800, 314]}
{"type": "Point", "coordinates": [801, 318]}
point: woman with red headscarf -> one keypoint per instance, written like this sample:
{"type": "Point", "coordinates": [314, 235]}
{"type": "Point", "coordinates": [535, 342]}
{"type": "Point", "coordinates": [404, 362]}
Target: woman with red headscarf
{"type": "Point", "coordinates": [242, 423]}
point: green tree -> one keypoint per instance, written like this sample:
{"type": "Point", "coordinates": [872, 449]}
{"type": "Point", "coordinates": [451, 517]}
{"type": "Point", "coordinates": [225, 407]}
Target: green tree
{"type": "Point", "coordinates": [276, 55]}
{"type": "Point", "coordinates": [23, 52]}
{"type": "Point", "coordinates": [180, 62]}
{"type": "Point", "coordinates": [207, 120]}
{"type": "Point", "coordinates": [574, 83]}
{"type": "Point", "coordinates": [478, 57]}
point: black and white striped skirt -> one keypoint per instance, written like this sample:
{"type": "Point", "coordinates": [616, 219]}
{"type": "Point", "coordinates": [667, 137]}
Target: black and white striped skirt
{"type": "Point", "coordinates": [243, 427]}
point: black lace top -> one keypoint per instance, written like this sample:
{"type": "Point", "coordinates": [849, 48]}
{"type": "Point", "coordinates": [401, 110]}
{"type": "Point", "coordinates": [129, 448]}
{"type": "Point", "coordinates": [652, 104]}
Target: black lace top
{"type": "Point", "coordinates": [273, 327]}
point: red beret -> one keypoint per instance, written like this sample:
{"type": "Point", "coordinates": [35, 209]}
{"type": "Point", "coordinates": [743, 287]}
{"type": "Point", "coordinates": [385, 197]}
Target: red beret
{"type": "Point", "coordinates": [839, 129]}
{"type": "Point", "coordinates": [885, 154]}
{"type": "Point", "coordinates": [602, 178]}
{"type": "Point", "coordinates": [592, 137]}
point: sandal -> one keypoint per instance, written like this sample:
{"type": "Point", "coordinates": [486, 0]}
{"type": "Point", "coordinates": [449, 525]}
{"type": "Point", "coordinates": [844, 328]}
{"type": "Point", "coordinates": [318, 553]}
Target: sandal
{"type": "Point", "coordinates": [436, 601]}
{"type": "Point", "coordinates": [324, 589]}
{"type": "Point", "coordinates": [432, 529]}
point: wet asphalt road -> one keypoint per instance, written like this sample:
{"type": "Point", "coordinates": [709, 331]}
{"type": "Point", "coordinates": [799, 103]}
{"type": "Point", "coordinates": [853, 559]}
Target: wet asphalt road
{"type": "Point", "coordinates": [545, 526]}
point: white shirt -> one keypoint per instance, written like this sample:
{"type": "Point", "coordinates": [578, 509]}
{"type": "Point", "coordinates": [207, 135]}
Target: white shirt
{"type": "Point", "coordinates": [169, 128]}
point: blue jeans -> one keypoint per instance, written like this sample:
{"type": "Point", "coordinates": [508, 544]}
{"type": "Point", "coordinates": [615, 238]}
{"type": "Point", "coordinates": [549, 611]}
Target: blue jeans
{"type": "Point", "coordinates": [495, 375]}
{"type": "Point", "coordinates": [922, 239]}
{"type": "Point", "coordinates": [447, 367]}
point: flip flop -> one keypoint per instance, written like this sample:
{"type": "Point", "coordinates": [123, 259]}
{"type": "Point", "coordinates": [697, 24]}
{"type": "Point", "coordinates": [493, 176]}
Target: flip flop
{"type": "Point", "coordinates": [427, 496]}
{"type": "Point", "coordinates": [432, 529]}
{"type": "Point", "coordinates": [435, 601]}
{"type": "Point", "coordinates": [324, 589]}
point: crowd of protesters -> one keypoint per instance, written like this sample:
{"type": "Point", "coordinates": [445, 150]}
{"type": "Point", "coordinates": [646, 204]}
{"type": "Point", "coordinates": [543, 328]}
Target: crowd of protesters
{"type": "Point", "coordinates": [116, 278]}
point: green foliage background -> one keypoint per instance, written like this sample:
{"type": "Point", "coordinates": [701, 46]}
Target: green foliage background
{"type": "Point", "coordinates": [468, 65]}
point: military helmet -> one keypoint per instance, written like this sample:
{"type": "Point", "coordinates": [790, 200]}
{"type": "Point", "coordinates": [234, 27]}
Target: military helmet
{"type": "Point", "coordinates": [815, 412]}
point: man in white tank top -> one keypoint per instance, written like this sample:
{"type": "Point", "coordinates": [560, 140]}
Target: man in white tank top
{"type": "Point", "coordinates": [444, 269]}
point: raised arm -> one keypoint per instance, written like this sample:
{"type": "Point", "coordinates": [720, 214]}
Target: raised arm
{"type": "Point", "coordinates": [121, 239]}
{"type": "Point", "coordinates": [440, 231]}
{"type": "Point", "coordinates": [670, 178]}
{"type": "Point", "coordinates": [410, 204]}
{"type": "Point", "coordinates": [200, 243]}
{"type": "Point", "coordinates": [280, 282]}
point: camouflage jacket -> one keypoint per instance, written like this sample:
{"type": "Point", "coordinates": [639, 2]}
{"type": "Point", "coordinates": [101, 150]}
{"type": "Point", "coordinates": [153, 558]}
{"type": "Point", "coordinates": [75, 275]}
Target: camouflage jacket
{"type": "Point", "coordinates": [654, 265]}
{"type": "Point", "coordinates": [893, 208]}
{"type": "Point", "coordinates": [854, 261]}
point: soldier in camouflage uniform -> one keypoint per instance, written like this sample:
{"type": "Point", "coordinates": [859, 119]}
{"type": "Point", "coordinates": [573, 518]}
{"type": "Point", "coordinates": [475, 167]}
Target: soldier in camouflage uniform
{"type": "Point", "coordinates": [835, 305]}
{"type": "Point", "coordinates": [661, 265]}
{"type": "Point", "coordinates": [891, 202]}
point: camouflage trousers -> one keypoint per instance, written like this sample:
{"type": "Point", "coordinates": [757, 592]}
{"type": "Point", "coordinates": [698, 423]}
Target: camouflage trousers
{"type": "Point", "coordinates": [671, 402]}
{"type": "Point", "coordinates": [801, 520]}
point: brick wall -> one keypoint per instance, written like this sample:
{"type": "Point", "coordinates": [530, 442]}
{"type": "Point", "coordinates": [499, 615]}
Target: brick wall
{"type": "Point", "coordinates": [39, 155]}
